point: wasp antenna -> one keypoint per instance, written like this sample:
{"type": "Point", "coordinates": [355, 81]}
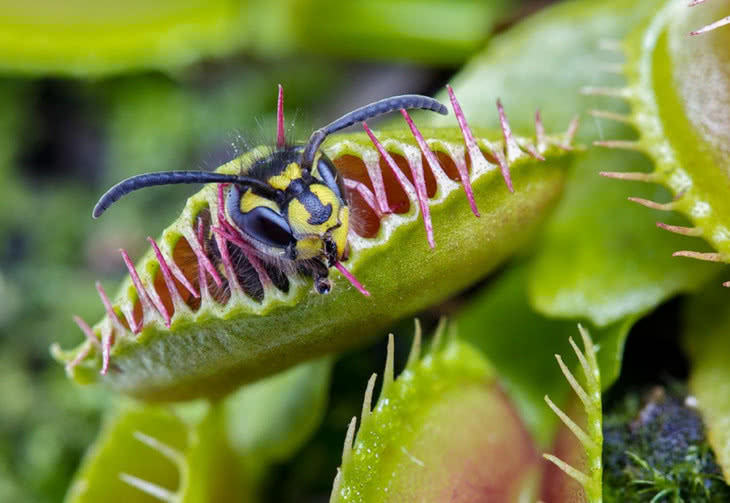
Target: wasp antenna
{"type": "Point", "coordinates": [172, 178]}
{"type": "Point", "coordinates": [404, 102]}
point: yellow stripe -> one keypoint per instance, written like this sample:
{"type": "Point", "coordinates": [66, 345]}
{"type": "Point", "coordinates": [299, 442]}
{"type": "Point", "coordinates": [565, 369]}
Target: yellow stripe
{"type": "Point", "coordinates": [282, 180]}
{"type": "Point", "coordinates": [249, 201]}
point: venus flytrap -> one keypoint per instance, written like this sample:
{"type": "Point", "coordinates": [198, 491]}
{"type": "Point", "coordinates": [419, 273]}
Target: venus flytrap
{"type": "Point", "coordinates": [591, 438]}
{"type": "Point", "coordinates": [198, 451]}
{"type": "Point", "coordinates": [180, 328]}
{"type": "Point", "coordinates": [443, 430]}
{"type": "Point", "coordinates": [681, 121]}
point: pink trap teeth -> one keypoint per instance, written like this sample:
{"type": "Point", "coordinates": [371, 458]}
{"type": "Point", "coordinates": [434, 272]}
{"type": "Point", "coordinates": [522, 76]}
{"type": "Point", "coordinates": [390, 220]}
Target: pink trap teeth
{"type": "Point", "coordinates": [347, 274]}
{"type": "Point", "coordinates": [280, 138]}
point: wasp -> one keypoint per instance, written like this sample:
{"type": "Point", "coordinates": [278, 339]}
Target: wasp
{"type": "Point", "coordinates": [290, 205]}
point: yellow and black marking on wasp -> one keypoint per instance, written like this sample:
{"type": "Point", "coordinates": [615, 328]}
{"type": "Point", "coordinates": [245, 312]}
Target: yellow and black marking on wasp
{"type": "Point", "coordinates": [289, 207]}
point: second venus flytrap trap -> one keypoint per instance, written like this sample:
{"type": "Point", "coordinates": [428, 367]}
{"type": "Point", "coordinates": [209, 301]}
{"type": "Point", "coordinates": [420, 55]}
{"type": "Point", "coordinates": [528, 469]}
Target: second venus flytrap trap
{"type": "Point", "coordinates": [224, 295]}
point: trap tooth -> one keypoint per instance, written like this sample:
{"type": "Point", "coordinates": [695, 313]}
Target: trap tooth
{"type": "Point", "coordinates": [366, 195]}
{"type": "Point", "coordinates": [712, 26]}
{"type": "Point", "coordinates": [613, 92]}
{"type": "Point", "coordinates": [107, 339]}
{"type": "Point", "coordinates": [531, 150]}
{"type": "Point", "coordinates": [570, 134]}
{"type": "Point", "coordinates": [399, 176]}
{"type": "Point", "coordinates": [151, 303]}
{"type": "Point", "coordinates": [678, 229]}
{"type": "Point", "coordinates": [368, 398]}
{"type": "Point", "coordinates": [706, 256]}
{"type": "Point", "coordinates": [475, 155]}
{"type": "Point", "coordinates": [110, 312]}
{"type": "Point", "coordinates": [372, 167]}
{"type": "Point", "coordinates": [388, 373]}
{"type": "Point", "coordinates": [511, 147]}
{"type": "Point", "coordinates": [280, 137]}
{"type": "Point", "coordinates": [228, 265]}
{"type": "Point", "coordinates": [632, 176]}
{"type": "Point", "coordinates": [169, 452]}
{"type": "Point", "coordinates": [620, 144]}
{"type": "Point", "coordinates": [151, 489]}
{"type": "Point", "coordinates": [349, 441]}
{"type": "Point", "coordinates": [591, 438]}
{"type": "Point", "coordinates": [177, 301]}
{"type": "Point", "coordinates": [128, 308]}
{"type": "Point", "coordinates": [605, 114]}
{"type": "Point", "coordinates": [415, 353]}
{"type": "Point", "coordinates": [86, 329]}
{"type": "Point", "coordinates": [419, 177]}
{"type": "Point", "coordinates": [653, 205]}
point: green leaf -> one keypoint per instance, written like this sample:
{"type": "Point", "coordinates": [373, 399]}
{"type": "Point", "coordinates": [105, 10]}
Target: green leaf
{"type": "Point", "coordinates": [271, 419]}
{"type": "Point", "coordinates": [230, 339]}
{"type": "Point", "coordinates": [707, 338]}
{"type": "Point", "coordinates": [442, 428]}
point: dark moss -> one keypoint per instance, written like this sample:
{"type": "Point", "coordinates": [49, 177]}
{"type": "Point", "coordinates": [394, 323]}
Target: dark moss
{"type": "Point", "coordinates": [655, 450]}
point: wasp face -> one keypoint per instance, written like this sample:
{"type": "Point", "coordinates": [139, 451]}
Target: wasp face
{"type": "Point", "coordinates": [307, 219]}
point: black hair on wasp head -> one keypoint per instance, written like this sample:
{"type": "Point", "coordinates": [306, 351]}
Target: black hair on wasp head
{"type": "Point", "coordinates": [253, 179]}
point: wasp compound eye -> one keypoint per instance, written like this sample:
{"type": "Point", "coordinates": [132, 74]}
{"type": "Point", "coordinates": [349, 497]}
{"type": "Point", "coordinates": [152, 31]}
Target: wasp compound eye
{"type": "Point", "coordinates": [331, 177]}
{"type": "Point", "coordinates": [267, 226]}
